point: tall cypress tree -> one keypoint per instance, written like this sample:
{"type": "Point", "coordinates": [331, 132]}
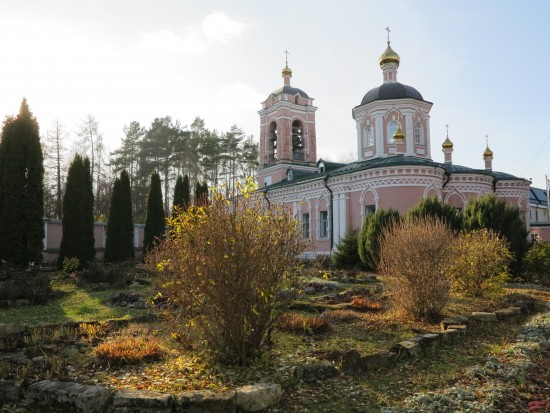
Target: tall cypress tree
{"type": "Point", "coordinates": [155, 222]}
{"type": "Point", "coordinates": [186, 203]}
{"type": "Point", "coordinates": [120, 227]}
{"type": "Point", "coordinates": [89, 240]}
{"type": "Point", "coordinates": [178, 195]}
{"type": "Point", "coordinates": [201, 194]}
{"type": "Point", "coordinates": [78, 218]}
{"type": "Point", "coordinates": [21, 193]}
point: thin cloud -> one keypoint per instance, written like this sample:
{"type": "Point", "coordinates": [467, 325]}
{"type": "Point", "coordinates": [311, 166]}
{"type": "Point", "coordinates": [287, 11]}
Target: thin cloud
{"type": "Point", "coordinates": [218, 27]}
{"type": "Point", "coordinates": [215, 28]}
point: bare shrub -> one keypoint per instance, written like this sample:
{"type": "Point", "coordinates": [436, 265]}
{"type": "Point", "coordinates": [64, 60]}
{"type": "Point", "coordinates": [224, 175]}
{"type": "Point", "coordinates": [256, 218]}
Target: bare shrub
{"type": "Point", "coordinates": [414, 257]}
{"type": "Point", "coordinates": [224, 270]}
{"type": "Point", "coordinates": [480, 263]}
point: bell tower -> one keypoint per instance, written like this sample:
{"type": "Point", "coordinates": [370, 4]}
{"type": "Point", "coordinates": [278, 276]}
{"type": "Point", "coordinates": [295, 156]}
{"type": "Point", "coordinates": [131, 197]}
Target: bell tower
{"type": "Point", "coordinates": [287, 132]}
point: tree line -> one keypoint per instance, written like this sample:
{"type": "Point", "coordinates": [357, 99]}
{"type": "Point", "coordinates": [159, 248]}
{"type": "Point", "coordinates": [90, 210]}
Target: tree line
{"type": "Point", "coordinates": [206, 156]}
{"type": "Point", "coordinates": [40, 177]}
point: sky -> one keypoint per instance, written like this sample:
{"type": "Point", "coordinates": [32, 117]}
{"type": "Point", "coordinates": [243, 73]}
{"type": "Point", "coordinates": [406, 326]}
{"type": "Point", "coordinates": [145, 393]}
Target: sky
{"type": "Point", "coordinates": [484, 65]}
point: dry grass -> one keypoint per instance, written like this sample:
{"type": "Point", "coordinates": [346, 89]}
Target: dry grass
{"type": "Point", "coordinates": [303, 324]}
{"type": "Point", "coordinates": [363, 304]}
{"type": "Point", "coordinates": [342, 315]}
{"type": "Point", "coordinates": [129, 350]}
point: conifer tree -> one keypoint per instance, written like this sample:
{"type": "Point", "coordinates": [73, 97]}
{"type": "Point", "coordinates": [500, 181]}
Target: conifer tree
{"type": "Point", "coordinates": [493, 213]}
{"type": "Point", "coordinates": [155, 222]}
{"type": "Point", "coordinates": [120, 227]}
{"type": "Point", "coordinates": [186, 202]}
{"type": "Point", "coordinates": [89, 240]}
{"type": "Point", "coordinates": [178, 195]}
{"type": "Point", "coordinates": [21, 189]}
{"type": "Point", "coordinates": [78, 221]}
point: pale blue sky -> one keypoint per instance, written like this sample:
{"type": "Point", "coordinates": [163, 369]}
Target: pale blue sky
{"type": "Point", "coordinates": [482, 63]}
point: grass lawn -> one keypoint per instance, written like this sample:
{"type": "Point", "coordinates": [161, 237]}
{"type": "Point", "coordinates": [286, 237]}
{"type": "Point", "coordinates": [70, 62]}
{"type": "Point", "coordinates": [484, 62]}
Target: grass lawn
{"type": "Point", "coordinates": [75, 304]}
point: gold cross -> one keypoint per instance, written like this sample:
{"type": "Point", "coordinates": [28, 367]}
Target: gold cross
{"type": "Point", "coordinates": [447, 126]}
{"type": "Point", "coordinates": [286, 52]}
{"type": "Point", "coordinates": [388, 30]}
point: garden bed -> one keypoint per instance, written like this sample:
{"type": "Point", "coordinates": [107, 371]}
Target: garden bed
{"type": "Point", "coordinates": [355, 309]}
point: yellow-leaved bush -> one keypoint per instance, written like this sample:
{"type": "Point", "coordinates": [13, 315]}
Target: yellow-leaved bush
{"type": "Point", "coordinates": [226, 271]}
{"type": "Point", "coordinates": [480, 262]}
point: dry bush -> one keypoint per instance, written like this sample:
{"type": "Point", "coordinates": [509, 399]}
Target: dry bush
{"type": "Point", "coordinates": [414, 260]}
{"type": "Point", "coordinates": [299, 323]}
{"type": "Point", "coordinates": [480, 263]}
{"type": "Point", "coordinates": [363, 304]}
{"type": "Point", "coordinates": [341, 315]}
{"type": "Point", "coordinates": [225, 269]}
{"type": "Point", "coordinates": [129, 350]}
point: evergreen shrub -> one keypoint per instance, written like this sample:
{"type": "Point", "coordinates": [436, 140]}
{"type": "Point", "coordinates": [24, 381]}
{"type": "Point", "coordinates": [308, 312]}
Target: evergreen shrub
{"type": "Point", "coordinates": [537, 263]}
{"type": "Point", "coordinates": [346, 254]}
{"type": "Point", "coordinates": [371, 232]}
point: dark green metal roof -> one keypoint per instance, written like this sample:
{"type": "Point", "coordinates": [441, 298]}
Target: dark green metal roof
{"type": "Point", "coordinates": [336, 169]}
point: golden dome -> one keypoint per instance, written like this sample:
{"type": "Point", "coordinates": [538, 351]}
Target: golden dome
{"type": "Point", "coordinates": [286, 71]}
{"type": "Point", "coordinates": [447, 144]}
{"type": "Point", "coordinates": [389, 56]}
{"type": "Point", "coordinates": [488, 154]}
{"type": "Point", "coordinates": [398, 135]}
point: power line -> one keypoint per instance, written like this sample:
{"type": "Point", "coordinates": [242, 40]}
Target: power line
{"type": "Point", "coordinates": [536, 155]}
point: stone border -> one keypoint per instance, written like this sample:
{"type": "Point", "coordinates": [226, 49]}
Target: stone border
{"type": "Point", "coordinates": [451, 329]}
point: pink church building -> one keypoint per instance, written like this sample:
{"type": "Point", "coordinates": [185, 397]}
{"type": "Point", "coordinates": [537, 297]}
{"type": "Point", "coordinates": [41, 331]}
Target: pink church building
{"type": "Point", "coordinates": [394, 166]}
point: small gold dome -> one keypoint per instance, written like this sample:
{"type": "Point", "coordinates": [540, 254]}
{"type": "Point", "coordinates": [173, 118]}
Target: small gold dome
{"type": "Point", "coordinates": [287, 71]}
{"type": "Point", "coordinates": [389, 56]}
{"type": "Point", "coordinates": [488, 154]}
{"type": "Point", "coordinates": [398, 135]}
{"type": "Point", "coordinates": [447, 144]}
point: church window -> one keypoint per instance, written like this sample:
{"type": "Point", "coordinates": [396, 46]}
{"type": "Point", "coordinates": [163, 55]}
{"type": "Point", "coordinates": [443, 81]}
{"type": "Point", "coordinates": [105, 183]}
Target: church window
{"type": "Point", "coordinates": [392, 127]}
{"type": "Point", "coordinates": [323, 224]}
{"type": "Point", "coordinates": [305, 225]}
{"type": "Point", "coordinates": [369, 137]}
{"type": "Point", "coordinates": [273, 141]}
{"type": "Point", "coordinates": [418, 134]}
{"type": "Point", "coordinates": [297, 141]}
{"type": "Point", "coordinates": [369, 210]}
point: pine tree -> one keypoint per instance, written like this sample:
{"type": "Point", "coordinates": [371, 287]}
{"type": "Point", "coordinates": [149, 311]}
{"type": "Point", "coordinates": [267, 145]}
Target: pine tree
{"type": "Point", "coordinates": [78, 222]}
{"type": "Point", "coordinates": [178, 196]}
{"type": "Point", "coordinates": [120, 227]}
{"type": "Point", "coordinates": [155, 222]}
{"type": "Point", "coordinates": [21, 189]}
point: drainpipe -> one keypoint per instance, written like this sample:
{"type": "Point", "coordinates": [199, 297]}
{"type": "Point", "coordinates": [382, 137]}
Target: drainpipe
{"type": "Point", "coordinates": [266, 198]}
{"type": "Point", "coordinates": [448, 178]}
{"type": "Point", "coordinates": [325, 179]}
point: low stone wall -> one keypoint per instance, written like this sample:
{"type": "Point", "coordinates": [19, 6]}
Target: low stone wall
{"type": "Point", "coordinates": [57, 396]}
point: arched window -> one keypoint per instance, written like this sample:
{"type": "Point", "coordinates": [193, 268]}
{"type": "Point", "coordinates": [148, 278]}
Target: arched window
{"type": "Point", "coordinates": [418, 134]}
{"type": "Point", "coordinates": [392, 127]}
{"type": "Point", "coordinates": [368, 140]}
{"type": "Point", "coordinates": [273, 141]}
{"type": "Point", "coordinates": [297, 141]}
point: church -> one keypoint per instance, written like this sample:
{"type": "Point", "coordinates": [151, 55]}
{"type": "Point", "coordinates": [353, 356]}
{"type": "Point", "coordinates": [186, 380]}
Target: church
{"type": "Point", "coordinates": [394, 166]}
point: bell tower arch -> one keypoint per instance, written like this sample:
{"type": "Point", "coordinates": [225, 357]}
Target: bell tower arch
{"type": "Point", "coordinates": [287, 132]}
